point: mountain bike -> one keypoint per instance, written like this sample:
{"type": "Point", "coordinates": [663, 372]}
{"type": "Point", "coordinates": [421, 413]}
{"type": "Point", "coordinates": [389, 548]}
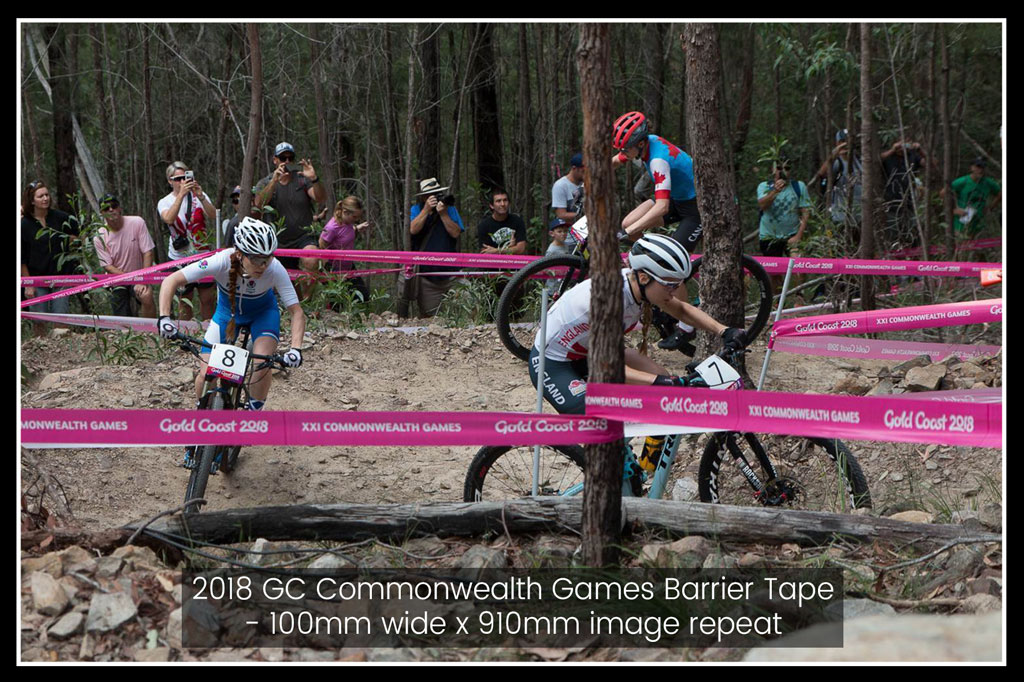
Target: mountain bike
{"type": "Point", "coordinates": [226, 387]}
{"type": "Point", "coordinates": [518, 315]}
{"type": "Point", "coordinates": [820, 474]}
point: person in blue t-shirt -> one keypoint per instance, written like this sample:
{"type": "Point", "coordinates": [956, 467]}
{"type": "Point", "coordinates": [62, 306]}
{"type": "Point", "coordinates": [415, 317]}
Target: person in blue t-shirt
{"type": "Point", "coordinates": [435, 226]}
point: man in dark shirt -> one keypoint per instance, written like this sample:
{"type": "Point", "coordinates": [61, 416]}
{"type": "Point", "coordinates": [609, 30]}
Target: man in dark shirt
{"type": "Point", "coordinates": [292, 191]}
{"type": "Point", "coordinates": [501, 231]}
{"type": "Point", "coordinates": [902, 164]}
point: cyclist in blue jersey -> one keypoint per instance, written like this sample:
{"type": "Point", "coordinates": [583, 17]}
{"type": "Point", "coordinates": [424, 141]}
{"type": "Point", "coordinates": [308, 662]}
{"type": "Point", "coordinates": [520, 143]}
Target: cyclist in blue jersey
{"type": "Point", "coordinates": [675, 201]}
{"type": "Point", "coordinates": [247, 277]}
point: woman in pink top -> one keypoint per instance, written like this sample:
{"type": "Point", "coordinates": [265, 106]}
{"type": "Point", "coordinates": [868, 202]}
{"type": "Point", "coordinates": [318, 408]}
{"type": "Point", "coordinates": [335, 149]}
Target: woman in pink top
{"type": "Point", "coordinates": [340, 234]}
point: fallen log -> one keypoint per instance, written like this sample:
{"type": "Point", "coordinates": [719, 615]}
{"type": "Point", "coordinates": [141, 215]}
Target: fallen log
{"type": "Point", "coordinates": [353, 522]}
{"type": "Point", "coordinates": [103, 541]}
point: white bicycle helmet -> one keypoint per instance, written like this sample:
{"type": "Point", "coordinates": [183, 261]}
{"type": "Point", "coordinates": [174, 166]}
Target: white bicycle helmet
{"type": "Point", "coordinates": [255, 238]}
{"type": "Point", "coordinates": [661, 257]}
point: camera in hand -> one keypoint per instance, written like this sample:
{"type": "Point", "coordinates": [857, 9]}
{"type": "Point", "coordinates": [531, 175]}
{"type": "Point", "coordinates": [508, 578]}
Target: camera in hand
{"type": "Point", "coordinates": [180, 242]}
{"type": "Point", "coordinates": [293, 168]}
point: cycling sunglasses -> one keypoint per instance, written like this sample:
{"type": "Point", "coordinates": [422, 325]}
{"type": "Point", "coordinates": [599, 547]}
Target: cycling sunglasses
{"type": "Point", "coordinates": [671, 286]}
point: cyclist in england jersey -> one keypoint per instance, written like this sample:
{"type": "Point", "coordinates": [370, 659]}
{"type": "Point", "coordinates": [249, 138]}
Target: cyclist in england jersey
{"type": "Point", "coordinates": [657, 266]}
{"type": "Point", "coordinates": [247, 277]}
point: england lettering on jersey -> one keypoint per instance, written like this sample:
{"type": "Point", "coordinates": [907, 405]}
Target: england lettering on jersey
{"type": "Point", "coordinates": [671, 169]}
{"type": "Point", "coordinates": [568, 330]}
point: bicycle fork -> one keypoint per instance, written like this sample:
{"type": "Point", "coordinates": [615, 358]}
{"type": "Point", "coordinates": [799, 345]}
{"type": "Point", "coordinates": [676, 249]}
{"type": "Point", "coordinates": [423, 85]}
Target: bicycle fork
{"type": "Point", "coordinates": [761, 490]}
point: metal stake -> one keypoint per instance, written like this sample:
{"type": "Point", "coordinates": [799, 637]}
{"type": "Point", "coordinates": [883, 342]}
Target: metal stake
{"type": "Point", "coordinates": [534, 489]}
{"type": "Point", "coordinates": [778, 314]}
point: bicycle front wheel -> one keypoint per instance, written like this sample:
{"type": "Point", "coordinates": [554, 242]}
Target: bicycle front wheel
{"type": "Point", "coordinates": [204, 456]}
{"type": "Point", "coordinates": [818, 474]}
{"type": "Point", "coordinates": [518, 317]}
{"type": "Point", "coordinates": [757, 295]}
{"type": "Point", "coordinates": [506, 473]}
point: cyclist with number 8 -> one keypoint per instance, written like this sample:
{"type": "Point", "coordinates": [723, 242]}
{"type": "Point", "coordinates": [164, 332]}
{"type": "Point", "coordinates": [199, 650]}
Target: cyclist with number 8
{"type": "Point", "coordinates": [658, 265]}
{"type": "Point", "coordinates": [247, 277]}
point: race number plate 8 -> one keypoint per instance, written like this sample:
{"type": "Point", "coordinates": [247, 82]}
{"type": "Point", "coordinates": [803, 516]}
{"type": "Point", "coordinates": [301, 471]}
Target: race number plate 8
{"type": "Point", "coordinates": [718, 374]}
{"type": "Point", "coordinates": [228, 362]}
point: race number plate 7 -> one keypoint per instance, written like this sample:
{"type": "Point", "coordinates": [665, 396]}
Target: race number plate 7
{"type": "Point", "coordinates": [719, 374]}
{"type": "Point", "coordinates": [228, 362]}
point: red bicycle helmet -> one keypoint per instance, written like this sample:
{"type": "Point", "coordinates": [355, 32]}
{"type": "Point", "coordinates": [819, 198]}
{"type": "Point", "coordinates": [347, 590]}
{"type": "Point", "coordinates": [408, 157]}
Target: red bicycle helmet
{"type": "Point", "coordinates": [629, 130]}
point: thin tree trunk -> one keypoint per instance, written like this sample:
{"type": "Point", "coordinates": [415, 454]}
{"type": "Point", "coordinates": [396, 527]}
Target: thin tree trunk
{"type": "Point", "coordinates": [428, 118]}
{"type": "Point", "coordinates": [746, 99]}
{"type": "Point", "coordinates": [33, 139]}
{"type": "Point", "coordinates": [406, 285]}
{"type": "Point", "coordinates": [871, 167]}
{"type": "Point", "coordinates": [63, 138]}
{"type": "Point", "coordinates": [602, 496]}
{"type": "Point", "coordinates": [947, 146]}
{"type": "Point", "coordinates": [255, 118]}
{"type": "Point", "coordinates": [149, 176]}
{"type": "Point", "coordinates": [486, 116]}
{"type": "Point", "coordinates": [525, 158]}
{"type": "Point", "coordinates": [323, 141]}
{"type": "Point", "coordinates": [98, 49]}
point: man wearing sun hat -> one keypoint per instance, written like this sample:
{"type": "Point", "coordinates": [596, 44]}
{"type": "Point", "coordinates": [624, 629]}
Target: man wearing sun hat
{"type": "Point", "coordinates": [435, 226]}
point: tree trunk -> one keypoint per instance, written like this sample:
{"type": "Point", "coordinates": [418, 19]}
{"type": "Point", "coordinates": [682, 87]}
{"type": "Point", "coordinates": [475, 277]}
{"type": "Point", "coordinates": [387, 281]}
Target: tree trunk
{"type": "Point", "coordinates": [947, 145]}
{"type": "Point", "coordinates": [149, 175]}
{"type": "Point", "coordinates": [98, 49]}
{"type": "Point", "coordinates": [524, 148]}
{"type": "Point", "coordinates": [746, 100]}
{"type": "Point", "coordinates": [407, 285]}
{"type": "Point", "coordinates": [428, 107]}
{"type": "Point", "coordinates": [654, 86]}
{"type": "Point", "coordinates": [872, 181]}
{"type": "Point", "coordinates": [602, 511]}
{"type": "Point", "coordinates": [721, 281]}
{"type": "Point", "coordinates": [323, 141]}
{"type": "Point", "coordinates": [63, 136]}
{"type": "Point", "coordinates": [486, 116]}
{"type": "Point", "coordinates": [252, 144]}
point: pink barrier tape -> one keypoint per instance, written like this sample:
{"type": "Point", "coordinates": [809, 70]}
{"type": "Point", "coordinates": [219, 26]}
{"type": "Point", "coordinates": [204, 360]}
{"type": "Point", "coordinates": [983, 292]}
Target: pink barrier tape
{"type": "Point", "coordinates": [74, 280]}
{"type": "Point", "coordinates": [967, 395]}
{"type": "Point", "coordinates": [139, 324]}
{"type": "Point", "coordinates": [893, 319]}
{"type": "Point", "coordinates": [344, 274]}
{"type": "Point", "coordinates": [974, 245]}
{"type": "Point", "coordinates": [483, 260]}
{"type": "Point", "coordinates": [179, 428]}
{"type": "Point", "coordinates": [831, 266]}
{"type": "Point", "coordinates": [114, 279]}
{"type": "Point", "coordinates": [798, 414]}
{"type": "Point", "coordinates": [837, 347]}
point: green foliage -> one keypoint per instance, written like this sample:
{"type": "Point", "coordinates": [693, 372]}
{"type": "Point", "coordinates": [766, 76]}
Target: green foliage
{"type": "Point", "coordinates": [470, 301]}
{"type": "Point", "coordinates": [126, 348]}
{"type": "Point", "coordinates": [341, 297]}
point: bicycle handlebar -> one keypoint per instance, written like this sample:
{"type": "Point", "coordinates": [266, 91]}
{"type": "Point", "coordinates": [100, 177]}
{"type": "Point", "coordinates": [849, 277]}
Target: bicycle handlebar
{"type": "Point", "coordinates": [190, 344]}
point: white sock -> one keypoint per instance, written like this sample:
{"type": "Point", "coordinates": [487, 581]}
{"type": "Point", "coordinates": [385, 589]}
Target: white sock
{"type": "Point", "coordinates": [685, 327]}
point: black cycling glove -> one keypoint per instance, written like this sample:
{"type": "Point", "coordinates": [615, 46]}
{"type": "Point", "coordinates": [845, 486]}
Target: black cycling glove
{"type": "Point", "coordinates": [734, 337]}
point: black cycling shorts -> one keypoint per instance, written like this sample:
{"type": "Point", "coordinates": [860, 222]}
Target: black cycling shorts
{"type": "Point", "coordinates": [689, 230]}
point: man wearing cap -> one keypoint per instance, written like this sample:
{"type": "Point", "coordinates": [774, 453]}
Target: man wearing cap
{"type": "Point", "coordinates": [974, 193]}
{"type": "Point", "coordinates": [567, 192]}
{"type": "Point", "coordinates": [293, 190]}
{"type": "Point", "coordinates": [125, 245]}
{"type": "Point", "coordinates": [435, 226]}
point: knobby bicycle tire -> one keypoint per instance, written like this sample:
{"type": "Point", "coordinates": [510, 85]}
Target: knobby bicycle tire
{"type": "Point", "coordinates": [503, 472]}
{"type": "Point", "coordinates": [525, 291]}
{"type": "Point", "coordinates": [761, 297]}
{"type": "Point", "coordinates": [204, 456]}
{"type": "Point", "coordinates": [822, 472]}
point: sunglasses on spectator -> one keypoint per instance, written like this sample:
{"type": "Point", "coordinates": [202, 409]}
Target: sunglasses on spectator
{"type": "Point", "coordinates": [287, 158]}
{"type": "Point", "coordinates": [177, 178]}
{"type": "Point", "coordinates": [110, 207]}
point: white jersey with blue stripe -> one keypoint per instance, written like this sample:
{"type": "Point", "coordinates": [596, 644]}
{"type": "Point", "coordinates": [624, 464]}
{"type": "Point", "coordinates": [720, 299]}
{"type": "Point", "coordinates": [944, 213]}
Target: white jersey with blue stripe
{"type": "Point", "coordinates": [251, 293]}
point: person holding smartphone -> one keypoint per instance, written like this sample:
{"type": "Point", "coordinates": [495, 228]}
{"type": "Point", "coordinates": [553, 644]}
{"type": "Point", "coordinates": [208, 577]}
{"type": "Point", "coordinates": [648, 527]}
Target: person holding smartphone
{"type": "Point", "coordinates": [293, 190]}
{"type": "Point", "coordinates": [187, 212]}
{"type": "Point", "coordinates": [785, 208]}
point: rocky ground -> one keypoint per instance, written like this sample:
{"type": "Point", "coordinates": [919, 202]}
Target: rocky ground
{"type": "Point", "coordinates": [126, 605]}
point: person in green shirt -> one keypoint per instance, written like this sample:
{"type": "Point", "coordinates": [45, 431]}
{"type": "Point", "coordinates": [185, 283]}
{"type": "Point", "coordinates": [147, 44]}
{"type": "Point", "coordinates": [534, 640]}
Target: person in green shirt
{"type": "Point", "coordinates": [974, 193]}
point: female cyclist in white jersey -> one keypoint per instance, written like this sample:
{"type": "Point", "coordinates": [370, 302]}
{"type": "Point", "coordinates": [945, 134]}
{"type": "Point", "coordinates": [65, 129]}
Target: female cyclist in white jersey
{"type": "Point", "coordinates": [247, 277]}
{"type": "Point", "coordinates": [658, 265]}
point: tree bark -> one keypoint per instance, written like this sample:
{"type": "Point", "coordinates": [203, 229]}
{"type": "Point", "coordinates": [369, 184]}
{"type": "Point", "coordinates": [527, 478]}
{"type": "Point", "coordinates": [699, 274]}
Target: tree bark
{"type": "Point", "coordinates": [602, 512]}
{"type": "Point", "coordinates": [98, 49]}
{"type": "Point", "coordinates": [353, 522]}
{"type": "Point", "coordinates": [63, 136]}
{"type": "Point", "coordinates": [947, 146]}
{"type": "Point", "coordinates": [323, 141]}
{"type": "Point", "coordinates": [746, 99]}
{"type": "Point", "coordinates": [255, 118]}
{"type": "Point", "coordinates": [428, 116]}
{"type": "Point", "coordinates": [721, 281]}
{"type": "Point", "coordinates": [486, 116]}
{"type": "Point", "coordinates": [871, 166]}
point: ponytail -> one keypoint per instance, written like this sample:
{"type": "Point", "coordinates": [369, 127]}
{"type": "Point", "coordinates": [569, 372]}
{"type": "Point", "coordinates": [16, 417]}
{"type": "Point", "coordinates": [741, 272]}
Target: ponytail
{"type": "Point", "coordinates": [236, 266]}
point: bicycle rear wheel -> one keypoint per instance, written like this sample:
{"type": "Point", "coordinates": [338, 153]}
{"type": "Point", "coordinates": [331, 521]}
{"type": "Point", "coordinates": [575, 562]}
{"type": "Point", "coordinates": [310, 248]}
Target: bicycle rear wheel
{"type": "Point", "coordinates": [506, 473]}
{"type": "Point", "coordinates": [757, 295]}
{"type": "Point", "coordinates": [204, 456]}
{"type": "Point", "coordinates": [518, 317]}
{"type": "Point", "coordinates": [819, 474]}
